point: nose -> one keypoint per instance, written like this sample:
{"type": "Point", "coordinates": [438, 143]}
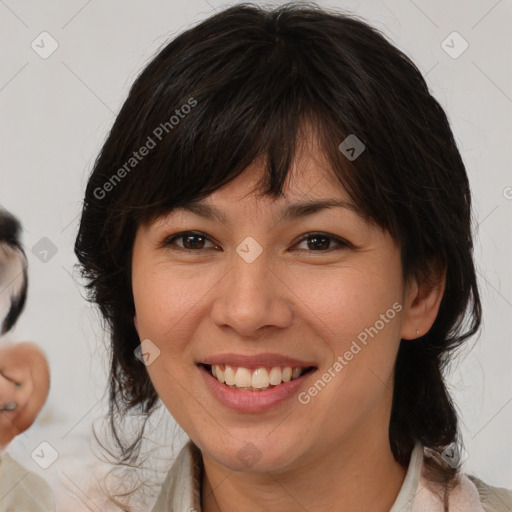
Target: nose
{"type": "Point", "coordinates": [252, 298]}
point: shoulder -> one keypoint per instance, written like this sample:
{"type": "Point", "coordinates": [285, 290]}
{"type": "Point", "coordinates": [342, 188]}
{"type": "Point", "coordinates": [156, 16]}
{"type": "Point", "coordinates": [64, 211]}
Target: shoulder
{"type": "Point", "coordinates": [466, 492]}
{"type": "Point", "coordinates": [22, 490]}
{"type": "Point", "coordinates": [493, 499]}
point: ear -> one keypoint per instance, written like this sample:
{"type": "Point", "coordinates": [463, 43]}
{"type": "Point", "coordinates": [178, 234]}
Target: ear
{"type": "Point", "coordinates": [422, 301]}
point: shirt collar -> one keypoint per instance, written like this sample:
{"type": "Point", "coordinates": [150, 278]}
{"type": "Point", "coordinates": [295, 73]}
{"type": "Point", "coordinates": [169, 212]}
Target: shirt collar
{"type": "Point", "coordinates": [181, 489]}
{"type": "Point", "coordinates": [405, 499]}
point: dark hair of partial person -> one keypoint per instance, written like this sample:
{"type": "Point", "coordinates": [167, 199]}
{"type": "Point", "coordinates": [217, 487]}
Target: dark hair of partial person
{"type": "Point", "coordinates": [13, 270]}
{"type": "Point", "coordinates": [260, 77]}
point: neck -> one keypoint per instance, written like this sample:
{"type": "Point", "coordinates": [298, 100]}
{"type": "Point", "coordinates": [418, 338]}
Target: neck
{"type": "Point", "coordinates": [344, 477]}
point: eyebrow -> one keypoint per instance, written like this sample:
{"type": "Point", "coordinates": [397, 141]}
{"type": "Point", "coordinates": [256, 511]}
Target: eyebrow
{"type": "Point", "coordinates": [290, 212]}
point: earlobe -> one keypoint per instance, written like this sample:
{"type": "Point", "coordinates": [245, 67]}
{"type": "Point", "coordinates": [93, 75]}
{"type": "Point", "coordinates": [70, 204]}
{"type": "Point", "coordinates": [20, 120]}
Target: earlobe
{"type": "Point", "coordinates": [422, 302]}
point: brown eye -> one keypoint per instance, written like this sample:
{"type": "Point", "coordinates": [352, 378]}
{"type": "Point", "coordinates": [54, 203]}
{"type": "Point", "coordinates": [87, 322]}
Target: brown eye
{"type": "Point", "coordinates": [321, 242]}
{"type": "Point", "coordinates": [190, 241]}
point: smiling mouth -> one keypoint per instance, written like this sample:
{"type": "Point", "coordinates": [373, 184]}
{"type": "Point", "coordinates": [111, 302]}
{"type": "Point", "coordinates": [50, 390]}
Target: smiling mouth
{"type": "Point", "coordinates": [259, 379]}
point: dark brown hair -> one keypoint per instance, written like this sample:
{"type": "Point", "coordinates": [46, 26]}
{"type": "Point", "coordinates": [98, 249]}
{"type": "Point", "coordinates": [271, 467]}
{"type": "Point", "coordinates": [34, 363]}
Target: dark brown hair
{"type": "Point", "coordinates": [253, 78]}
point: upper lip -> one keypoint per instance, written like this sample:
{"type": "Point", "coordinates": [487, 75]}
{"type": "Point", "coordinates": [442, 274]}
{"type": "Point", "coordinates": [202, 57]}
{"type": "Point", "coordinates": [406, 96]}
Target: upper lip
{"type": "Point", "coordinates": [256, 361]}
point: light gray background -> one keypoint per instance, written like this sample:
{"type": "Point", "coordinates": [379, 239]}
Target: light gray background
{"type": "Point", "coordinates": [56, 112]}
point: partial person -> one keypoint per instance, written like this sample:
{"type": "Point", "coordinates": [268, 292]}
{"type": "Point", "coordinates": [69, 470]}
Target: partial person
{"type": "Point", "coordinates": [24, 379]}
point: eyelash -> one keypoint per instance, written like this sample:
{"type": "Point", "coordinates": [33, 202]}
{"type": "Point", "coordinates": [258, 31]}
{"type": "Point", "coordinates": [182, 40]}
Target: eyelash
{"type": "Point", "coordinates": [170, 241]}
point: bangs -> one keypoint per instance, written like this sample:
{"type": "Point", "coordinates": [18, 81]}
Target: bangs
{"type": "Point", "coordinates": [261, 88]}
{"type": "Point", "coordinates": [259, 98]}
{"type": "Point", "coordinates": [276, 147]}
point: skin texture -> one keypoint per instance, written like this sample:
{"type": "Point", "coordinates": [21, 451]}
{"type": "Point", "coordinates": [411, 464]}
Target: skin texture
{"type": "Point", "coordinates": [24, 380]}
{"type": "Point", "coordinates": [332, 453]}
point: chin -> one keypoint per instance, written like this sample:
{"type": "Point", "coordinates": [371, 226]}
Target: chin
{"type": "Point", "coordinates": [256, 454]}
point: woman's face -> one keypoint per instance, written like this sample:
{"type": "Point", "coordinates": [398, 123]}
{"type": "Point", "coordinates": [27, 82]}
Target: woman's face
{"type": "Point", "coordinates": [254, 285]}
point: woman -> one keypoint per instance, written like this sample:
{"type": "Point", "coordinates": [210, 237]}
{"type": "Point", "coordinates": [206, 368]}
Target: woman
{"type": "Point", "coordinates": [277, 231]}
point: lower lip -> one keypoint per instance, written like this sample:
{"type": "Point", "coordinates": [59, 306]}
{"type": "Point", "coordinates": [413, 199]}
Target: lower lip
{"type": "Point", "coordinates": [252, 401]}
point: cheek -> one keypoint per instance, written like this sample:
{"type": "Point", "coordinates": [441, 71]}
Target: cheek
{"type": "Point", "coordinates": [345, 302]}
{"type": "Point", "coordinates": [163, 300]}
{"type": "Point", "coordinates": [357, 315]}
{"type": "Point", "coordinates": [168, 305]}
{"type": "Point", "coordinates": [356, 382]}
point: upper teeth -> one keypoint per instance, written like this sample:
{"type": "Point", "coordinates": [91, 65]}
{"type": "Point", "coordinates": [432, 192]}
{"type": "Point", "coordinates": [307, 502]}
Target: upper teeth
{"type": "Point", "coordinates": [259, 378]}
